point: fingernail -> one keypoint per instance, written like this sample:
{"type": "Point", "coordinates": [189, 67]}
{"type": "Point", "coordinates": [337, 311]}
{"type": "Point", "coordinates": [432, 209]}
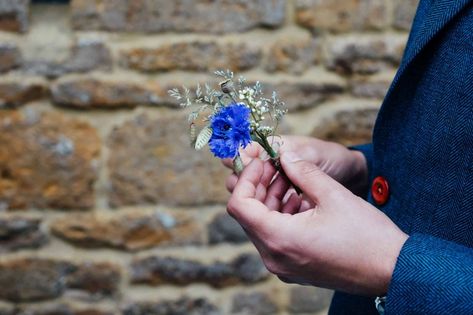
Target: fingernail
{"type": "Point", "coordinates": [291, 157]}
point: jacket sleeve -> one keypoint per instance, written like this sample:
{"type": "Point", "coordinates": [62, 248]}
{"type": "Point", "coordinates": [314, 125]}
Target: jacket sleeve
{"type": "Point", "coordinates": [432, 276]}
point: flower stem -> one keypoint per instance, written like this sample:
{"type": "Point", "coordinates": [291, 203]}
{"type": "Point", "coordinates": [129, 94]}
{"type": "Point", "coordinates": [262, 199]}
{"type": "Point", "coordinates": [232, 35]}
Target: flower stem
{"type": "Point", "coordinates": [275, 159]}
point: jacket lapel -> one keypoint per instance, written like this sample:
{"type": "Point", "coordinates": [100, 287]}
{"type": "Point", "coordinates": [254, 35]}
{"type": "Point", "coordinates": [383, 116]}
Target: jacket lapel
{"type": "Point", "coordinates": [434, 16]}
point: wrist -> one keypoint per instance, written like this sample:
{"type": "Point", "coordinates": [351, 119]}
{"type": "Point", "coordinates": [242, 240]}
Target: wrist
{"type": "Point", "coordinates": [390, 260]}
{"type": "Point", "coordinates": [375, 277]}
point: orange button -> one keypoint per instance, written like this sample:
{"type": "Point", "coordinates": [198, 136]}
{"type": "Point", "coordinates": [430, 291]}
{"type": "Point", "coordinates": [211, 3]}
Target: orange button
{"type": "Point", "coordinates": [380, 190]}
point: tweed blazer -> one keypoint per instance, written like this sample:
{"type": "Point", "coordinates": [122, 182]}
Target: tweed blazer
{"type": "Point", "coordinates": [423, 146]}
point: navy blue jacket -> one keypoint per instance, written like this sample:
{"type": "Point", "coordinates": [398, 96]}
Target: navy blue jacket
{"type": "Point", "coordinates": [423, 145]}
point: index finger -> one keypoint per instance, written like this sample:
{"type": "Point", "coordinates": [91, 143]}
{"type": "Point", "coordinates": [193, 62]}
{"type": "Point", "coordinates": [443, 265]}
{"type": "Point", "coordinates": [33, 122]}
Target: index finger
{"type": "Point", "coordinates": [251, 151]}
{"type": "Point", "coordinates": [243, 205]}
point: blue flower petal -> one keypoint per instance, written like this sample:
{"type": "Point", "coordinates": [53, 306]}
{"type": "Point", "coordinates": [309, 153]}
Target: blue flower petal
{"type": "Point", "coordinates": [230, 130]}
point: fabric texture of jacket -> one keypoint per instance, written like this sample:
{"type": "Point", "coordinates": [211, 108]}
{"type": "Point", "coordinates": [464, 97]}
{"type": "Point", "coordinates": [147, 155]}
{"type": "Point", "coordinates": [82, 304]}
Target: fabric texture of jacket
{"type": "Point", "coordinates": [423, 146]}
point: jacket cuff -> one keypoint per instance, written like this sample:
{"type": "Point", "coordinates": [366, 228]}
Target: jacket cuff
{"type": "Point", "coordinates": [432, 276]}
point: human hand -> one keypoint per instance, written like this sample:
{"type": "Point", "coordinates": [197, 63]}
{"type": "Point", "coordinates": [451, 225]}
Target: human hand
{"type": "Point", "coordinates": [338, 241]}
{"type": "Point", "coordinates": [346, 166]}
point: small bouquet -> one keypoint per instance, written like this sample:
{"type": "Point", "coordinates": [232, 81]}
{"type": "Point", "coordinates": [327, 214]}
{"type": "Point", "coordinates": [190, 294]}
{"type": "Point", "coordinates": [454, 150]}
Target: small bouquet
{"type": "Point", "coordinates": [234, 115]}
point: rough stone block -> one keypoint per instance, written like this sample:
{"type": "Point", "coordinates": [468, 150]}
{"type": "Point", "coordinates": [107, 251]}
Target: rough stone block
{"type": "Point", "coordinates": [370, 88]}
{"type": "Point", "coordinates": [256, 303]}
{"type": "Point", "coordinates": [221, 16]}
{"type": "Point", "coordinates": [35, 279]}
{"type": "Point", "coordinates": [192, 56]}
{"type": "Point", "coordinates": [15, 92]}
{"type": "Point", "coordinates": [131, 230]}
{"type": "Point", "coordinates": [224, 228]}
{"type": "Point", "coordinates": [293, 56]}
{"type": "Point", "coordinates": [85, 56]}
{"type": "Point", "coordinates": [46, 161]}
{"type": "Point", "coordinates": [163, 167]}
{"type": "Point", "coordinates": [90, 93]}
{"type": "Point", "coordinates": [155, 270]}
{"type": "Point", "coordinates": [348, 127]}
{"type": "Point", "coordinates": [60, 309]}
{"type": "Point", "coordinates": [342, 16]}
{"type": "Point", "coordinates": [14, 15]}
{"type": "Point", "coordinates": [98, 279]}
{"type": "Point", "coordinates": [20, 232]}
{"type": "Point", "coordinates": [182, 306]}
{"type": "Point", "coordinates": [30, 279]}
{"type": "Point", "coordinates": [250, 268]}
{"type": "Point", "coordinates": [365, 54]}
{"type": "Point", "coordinates": [10, 57]}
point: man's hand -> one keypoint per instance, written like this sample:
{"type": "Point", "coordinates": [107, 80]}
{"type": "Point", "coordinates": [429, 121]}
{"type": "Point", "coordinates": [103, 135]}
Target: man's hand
{"type": "Point", "coordinates": [346, 166]}
{"type": "Point", "coordinates": [328, 237]}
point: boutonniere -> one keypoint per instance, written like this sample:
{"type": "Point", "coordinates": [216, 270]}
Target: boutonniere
{"type": "Point", "coordinates": [234, 114]}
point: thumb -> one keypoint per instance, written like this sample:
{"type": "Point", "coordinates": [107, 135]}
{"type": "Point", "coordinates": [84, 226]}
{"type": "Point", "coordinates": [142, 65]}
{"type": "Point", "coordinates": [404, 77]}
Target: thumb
{"type": "Point", "coordinates": [317, 185]}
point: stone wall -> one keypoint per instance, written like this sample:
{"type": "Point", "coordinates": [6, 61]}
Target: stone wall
{"type": "Point", "coordinates": [104, 208]}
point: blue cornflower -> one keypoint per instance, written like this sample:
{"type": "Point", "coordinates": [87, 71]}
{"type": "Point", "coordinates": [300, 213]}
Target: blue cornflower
{"type": "Point", "coordinates": [230, 130]}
